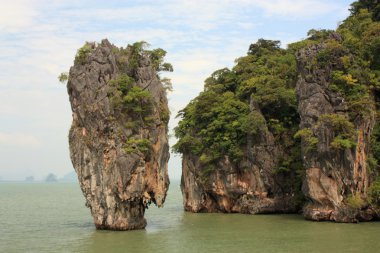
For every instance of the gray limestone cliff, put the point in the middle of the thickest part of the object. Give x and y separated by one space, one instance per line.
119 134
253 189
252 186
236 137
334 175
290 130
320 160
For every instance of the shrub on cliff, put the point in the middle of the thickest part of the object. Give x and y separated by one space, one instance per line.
355 201
370 5
374 193
82 53
63 77
131 99
308 137
343 130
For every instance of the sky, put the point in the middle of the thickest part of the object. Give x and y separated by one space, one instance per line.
39 39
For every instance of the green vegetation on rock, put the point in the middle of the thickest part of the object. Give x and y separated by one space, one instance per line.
343 129
82 53
134 145
355 201
63 77
374 193
255 96
307 135
133 101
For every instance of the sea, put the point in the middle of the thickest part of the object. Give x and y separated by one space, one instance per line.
52 217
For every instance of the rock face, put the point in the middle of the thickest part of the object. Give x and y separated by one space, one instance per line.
119 153
231 189
332 175
323 156
251 187
237 145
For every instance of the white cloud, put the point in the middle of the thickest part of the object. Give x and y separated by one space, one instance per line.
295 8
133 14
247 25
19 140
16 15
40 37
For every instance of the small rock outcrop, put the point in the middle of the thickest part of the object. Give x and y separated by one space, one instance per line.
119 134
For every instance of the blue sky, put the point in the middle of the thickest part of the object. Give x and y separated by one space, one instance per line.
39 39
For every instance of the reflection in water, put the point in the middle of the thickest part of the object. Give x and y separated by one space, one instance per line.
52 218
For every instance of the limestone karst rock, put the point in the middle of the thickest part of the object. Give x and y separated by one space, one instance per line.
233 143
251 186
119 135
332 174
290 130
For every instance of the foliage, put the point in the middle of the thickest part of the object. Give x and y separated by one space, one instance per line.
218 122
361 36
351 55
267 76
123 83
82 53
344 130
370 5
137 145
258 95
63 77
130 57
157 58
331 53
374 192
262 46
372 164
375 142
308 137
338 122
355 201
296 46
164 112
319 35
253 123
290 163
131 99
133 54
342 143
221 80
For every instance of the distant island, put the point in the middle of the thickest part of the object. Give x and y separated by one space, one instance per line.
69 177
51 178
29 179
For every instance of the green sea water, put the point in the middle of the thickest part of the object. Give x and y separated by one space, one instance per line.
40 217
